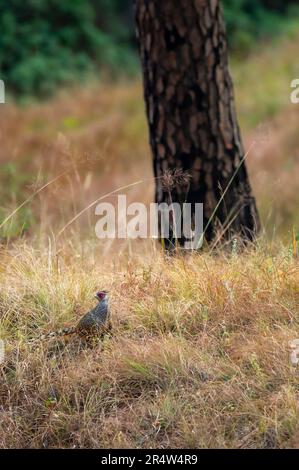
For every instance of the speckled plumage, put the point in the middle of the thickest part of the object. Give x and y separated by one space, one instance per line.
96 322
96 319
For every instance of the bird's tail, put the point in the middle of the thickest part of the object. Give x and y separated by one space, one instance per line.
56 334
62 332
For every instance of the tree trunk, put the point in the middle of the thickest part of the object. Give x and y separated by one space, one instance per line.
191 112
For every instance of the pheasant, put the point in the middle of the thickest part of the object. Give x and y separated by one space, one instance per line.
94 323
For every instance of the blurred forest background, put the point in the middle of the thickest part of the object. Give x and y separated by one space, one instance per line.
49 43
74 103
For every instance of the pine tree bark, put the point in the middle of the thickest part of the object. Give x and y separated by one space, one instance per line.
191 111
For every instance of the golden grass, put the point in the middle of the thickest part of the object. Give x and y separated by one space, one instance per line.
97 162
199 355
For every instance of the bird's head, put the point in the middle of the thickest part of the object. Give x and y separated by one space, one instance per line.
102 295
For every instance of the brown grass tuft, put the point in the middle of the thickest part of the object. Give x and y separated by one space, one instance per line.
199 354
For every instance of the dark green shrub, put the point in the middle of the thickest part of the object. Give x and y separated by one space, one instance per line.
49 43
251 20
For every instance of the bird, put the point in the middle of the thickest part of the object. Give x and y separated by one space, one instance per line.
94 323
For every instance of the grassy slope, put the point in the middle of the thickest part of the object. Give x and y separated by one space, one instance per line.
200 349
199 354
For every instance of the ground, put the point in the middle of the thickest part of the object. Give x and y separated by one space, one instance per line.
199 354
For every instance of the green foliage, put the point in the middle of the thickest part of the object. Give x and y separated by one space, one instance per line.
251 20
45 44
49 43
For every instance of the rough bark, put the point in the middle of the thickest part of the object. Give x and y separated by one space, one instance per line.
191 111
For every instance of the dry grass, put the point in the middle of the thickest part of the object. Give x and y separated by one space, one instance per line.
99 136
199 355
